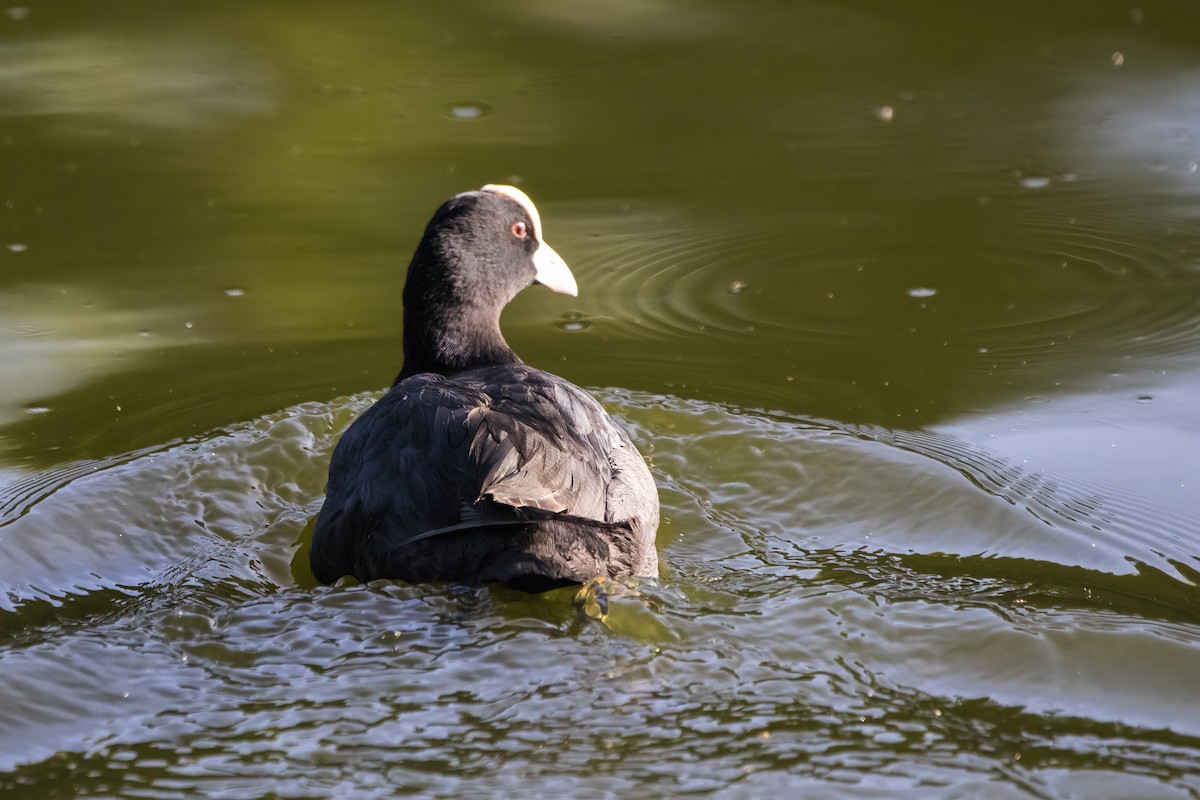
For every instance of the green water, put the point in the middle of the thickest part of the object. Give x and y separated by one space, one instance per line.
901 300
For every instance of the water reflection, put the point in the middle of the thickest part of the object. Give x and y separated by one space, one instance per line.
105 85
60 338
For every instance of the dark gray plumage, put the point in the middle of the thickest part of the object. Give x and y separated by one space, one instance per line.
475 467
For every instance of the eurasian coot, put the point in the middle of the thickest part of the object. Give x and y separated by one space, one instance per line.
475 467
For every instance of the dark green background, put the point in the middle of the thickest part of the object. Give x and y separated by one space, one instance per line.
901 299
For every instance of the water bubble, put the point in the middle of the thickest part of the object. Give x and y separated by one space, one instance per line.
885 113
37 410
17 247
18 13
922 291
1037 398
1118 59
233 291
1033 181
737 287
468 110
574 321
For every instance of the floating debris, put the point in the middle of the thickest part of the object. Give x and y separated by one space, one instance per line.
468 110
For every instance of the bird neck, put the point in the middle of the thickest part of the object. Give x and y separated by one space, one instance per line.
451 321
450 339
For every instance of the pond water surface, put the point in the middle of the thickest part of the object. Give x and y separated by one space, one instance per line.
902 303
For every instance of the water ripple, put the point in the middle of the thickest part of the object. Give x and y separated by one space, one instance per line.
1048 289
837 600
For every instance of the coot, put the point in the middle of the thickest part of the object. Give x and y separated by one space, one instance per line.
476 467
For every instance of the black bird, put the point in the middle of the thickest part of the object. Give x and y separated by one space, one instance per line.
476 467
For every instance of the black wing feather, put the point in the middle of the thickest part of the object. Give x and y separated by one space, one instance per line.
486 475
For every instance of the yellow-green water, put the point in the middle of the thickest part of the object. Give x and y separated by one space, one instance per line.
902 301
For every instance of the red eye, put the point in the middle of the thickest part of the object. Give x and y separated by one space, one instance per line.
519 230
